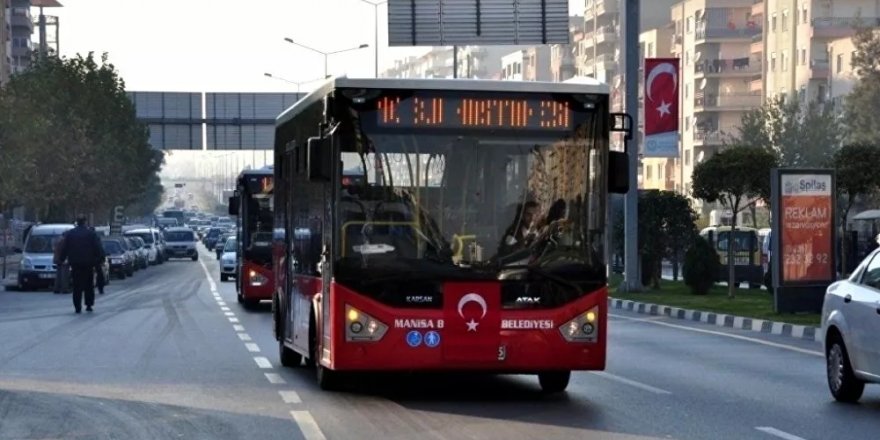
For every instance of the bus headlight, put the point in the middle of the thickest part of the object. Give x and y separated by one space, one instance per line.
583 328
256 279
362 327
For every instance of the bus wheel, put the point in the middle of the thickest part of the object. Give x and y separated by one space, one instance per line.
289 358
313 340
554 381
328 379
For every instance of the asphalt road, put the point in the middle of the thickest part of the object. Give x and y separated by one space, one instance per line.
163 357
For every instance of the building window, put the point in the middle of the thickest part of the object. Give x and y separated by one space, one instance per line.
687 90
687 123
785 61
659 172
687 58
804 14
687 157
773 22
839 63
650 49
687 22
773 61
785 20
803 56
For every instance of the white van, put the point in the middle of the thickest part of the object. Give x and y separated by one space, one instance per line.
152 240
180 242
37 268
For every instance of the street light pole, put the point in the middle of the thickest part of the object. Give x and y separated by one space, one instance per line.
325 54
375 6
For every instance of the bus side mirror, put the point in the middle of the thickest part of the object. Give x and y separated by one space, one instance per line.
233 205
618 172
319 159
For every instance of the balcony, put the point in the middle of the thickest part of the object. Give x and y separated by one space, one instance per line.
819 69
21 17
837 27
711 137
676 40
708 33
756 85
757 45
758 8
737 67
598 8
727 102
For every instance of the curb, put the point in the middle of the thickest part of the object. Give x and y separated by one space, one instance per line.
803 332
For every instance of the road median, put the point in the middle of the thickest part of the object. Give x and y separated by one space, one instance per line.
749 310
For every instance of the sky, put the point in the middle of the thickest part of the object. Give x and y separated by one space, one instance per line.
227 45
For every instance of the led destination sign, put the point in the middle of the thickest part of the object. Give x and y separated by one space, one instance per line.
446 111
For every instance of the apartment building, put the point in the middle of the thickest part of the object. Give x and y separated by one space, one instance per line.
21 27
797 36
841 75
713 39
654 173
562 56
437 63
5 43
531 64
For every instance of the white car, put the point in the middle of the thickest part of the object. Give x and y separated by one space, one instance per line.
180 242
850 328
229 261
151 238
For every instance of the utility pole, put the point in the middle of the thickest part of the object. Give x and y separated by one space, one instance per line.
632 281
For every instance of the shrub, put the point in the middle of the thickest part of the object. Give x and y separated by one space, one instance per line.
701 266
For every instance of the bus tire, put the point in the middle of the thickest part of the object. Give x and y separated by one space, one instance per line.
554 381
328 379
289 358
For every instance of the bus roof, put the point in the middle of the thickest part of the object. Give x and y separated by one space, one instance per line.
264 171
586 86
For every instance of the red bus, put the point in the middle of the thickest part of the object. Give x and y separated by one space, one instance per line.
252 206
473 238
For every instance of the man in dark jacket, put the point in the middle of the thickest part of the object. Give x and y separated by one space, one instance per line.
82 250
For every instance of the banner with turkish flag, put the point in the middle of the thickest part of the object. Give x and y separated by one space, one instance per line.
661 107
472 322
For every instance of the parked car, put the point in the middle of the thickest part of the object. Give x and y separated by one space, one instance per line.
151 238
118 257
37 266
850 325
140 248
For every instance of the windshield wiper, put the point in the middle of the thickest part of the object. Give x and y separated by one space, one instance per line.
532 269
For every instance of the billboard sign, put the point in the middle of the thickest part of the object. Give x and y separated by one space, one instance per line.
803 237
477 22
806 227
661 85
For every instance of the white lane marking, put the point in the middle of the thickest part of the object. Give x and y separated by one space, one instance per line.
630 382
777 433
211 282
727 335
229 313
262 362
233 319
244 337
221 303
225 309
238 327
307 425
252 347
290 396
275 378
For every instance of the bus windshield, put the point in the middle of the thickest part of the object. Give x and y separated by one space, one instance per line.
480 206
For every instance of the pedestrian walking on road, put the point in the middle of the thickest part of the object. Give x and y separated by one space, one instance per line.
82 250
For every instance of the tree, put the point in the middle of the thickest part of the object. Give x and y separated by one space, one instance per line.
666 228
73 137
856 172
862 105
800 134
735 177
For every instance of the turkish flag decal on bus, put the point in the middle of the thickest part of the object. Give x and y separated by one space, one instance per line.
472 315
